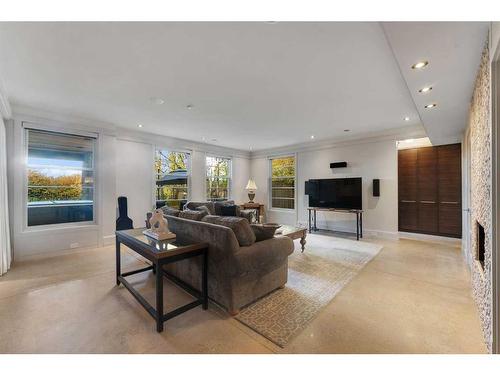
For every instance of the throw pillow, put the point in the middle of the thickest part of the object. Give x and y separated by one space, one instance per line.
263 232
228 210
192 215
203 209
170 211
240 227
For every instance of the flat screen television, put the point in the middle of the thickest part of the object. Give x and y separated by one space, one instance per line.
341 193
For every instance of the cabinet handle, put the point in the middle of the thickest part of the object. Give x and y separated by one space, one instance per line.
427 202
444 202
408 201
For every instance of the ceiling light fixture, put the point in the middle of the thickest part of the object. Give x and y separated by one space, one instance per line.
428 106
347 130
423 90
189 106
420 65
139 125
312 136
407 118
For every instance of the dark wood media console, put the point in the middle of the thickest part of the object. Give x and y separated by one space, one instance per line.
359 219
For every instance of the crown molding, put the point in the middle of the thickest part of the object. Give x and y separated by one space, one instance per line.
396 134
46 117
5 109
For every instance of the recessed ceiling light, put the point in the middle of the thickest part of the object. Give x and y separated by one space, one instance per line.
407 118
158 101
189 106
430 105
312 136
139 125
425 89
420 65
347 130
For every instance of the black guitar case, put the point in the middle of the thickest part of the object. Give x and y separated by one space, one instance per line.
123 222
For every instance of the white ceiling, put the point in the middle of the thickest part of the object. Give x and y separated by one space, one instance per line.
453 50
259 85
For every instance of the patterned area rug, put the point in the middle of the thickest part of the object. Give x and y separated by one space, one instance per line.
314 279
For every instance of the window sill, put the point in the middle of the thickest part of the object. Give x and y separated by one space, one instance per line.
63 228
284 210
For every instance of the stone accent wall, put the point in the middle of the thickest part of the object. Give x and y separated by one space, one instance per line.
481 205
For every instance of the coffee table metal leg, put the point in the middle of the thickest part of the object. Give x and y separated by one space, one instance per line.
159 298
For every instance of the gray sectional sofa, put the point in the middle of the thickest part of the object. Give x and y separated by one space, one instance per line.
240 269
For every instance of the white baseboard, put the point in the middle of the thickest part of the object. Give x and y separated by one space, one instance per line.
108 240
431 238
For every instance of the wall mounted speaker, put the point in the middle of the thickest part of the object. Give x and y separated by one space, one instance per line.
376 187
338 164
308 188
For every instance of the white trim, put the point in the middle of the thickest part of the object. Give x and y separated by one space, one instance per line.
416 131
5 109
108 240
25 127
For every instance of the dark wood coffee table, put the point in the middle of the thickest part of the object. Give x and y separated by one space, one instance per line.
294 233
160 253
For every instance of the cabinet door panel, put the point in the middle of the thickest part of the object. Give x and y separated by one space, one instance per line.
450 189
407 174
407 216
450 220
427 190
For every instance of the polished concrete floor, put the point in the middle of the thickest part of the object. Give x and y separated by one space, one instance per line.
413 297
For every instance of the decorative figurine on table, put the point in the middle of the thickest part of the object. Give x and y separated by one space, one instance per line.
159 227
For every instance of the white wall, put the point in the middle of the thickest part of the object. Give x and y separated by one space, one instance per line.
124 161
366 160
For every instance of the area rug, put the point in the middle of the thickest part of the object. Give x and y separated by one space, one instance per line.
314 279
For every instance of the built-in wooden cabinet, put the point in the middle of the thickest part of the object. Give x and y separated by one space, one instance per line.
429 190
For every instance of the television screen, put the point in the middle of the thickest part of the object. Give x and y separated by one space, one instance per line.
341 193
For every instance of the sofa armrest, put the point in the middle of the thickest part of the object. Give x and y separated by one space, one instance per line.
263 256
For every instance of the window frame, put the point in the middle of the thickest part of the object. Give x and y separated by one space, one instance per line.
189 169
270 183
26 127
230 176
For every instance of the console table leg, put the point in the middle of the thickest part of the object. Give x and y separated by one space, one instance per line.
357 226
315 226
159 298
118 261
361 223
204 281
309 222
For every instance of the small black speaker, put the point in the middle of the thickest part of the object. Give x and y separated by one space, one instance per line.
338 164
376 187
308 188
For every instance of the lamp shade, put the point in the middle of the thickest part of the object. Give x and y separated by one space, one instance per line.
251 185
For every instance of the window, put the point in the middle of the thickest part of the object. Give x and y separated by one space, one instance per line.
283 183
218 176
60 178
172 182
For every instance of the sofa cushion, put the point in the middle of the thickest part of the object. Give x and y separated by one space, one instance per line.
228 210
218 206
191 205
263 232
203 209
240 226
170 211
192 215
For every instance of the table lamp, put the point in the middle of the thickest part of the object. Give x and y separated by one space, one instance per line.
251 187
